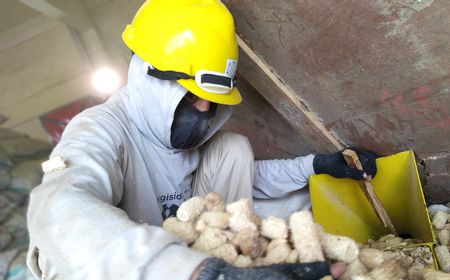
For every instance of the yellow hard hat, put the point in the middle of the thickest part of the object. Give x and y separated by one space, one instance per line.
191 41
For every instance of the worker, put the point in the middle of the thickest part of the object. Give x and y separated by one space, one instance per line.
124 166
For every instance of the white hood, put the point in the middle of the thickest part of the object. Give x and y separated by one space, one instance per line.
151 105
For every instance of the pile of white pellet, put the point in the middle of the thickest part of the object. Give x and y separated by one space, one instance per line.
236 235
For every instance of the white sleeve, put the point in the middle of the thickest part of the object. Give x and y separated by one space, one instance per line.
74 224
277 178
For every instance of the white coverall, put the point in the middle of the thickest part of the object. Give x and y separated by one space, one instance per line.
100 217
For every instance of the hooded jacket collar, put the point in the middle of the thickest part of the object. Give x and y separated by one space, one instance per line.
151 103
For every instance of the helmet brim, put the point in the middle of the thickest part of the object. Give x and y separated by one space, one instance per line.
231 98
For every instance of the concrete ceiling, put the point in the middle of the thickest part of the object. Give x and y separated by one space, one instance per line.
48 50
13 13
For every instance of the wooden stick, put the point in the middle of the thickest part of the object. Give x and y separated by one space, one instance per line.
284 100
351 157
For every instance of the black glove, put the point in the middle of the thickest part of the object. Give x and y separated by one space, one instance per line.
335 165
213 269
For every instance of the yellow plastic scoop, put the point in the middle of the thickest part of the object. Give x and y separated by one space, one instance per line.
351 157
341 208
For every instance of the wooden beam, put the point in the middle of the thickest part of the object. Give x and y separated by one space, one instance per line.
70 12
75 16
48 100
264 79
26 31
35 66
44 7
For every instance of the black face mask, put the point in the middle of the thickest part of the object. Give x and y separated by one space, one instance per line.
190 125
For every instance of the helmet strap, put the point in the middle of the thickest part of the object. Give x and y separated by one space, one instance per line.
167 75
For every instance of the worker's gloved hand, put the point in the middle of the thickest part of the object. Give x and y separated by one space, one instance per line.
335 165
212 269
